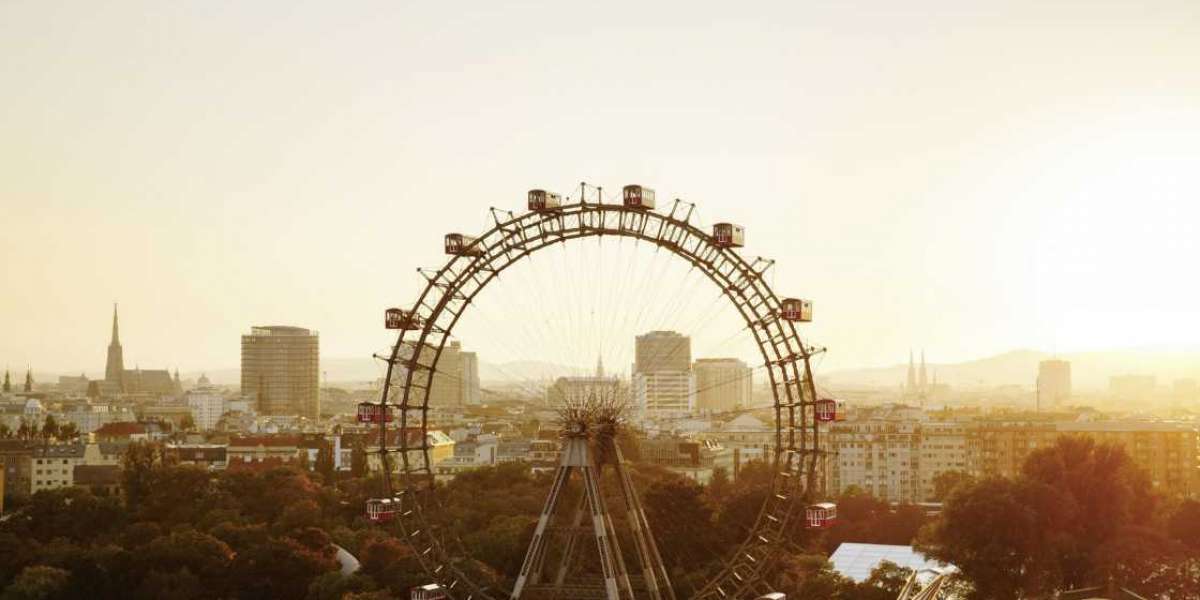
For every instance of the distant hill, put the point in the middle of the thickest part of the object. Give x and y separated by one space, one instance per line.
1089 370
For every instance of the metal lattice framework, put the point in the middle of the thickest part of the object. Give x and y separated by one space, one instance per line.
405 453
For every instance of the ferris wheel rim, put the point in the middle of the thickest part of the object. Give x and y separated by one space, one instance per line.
517 239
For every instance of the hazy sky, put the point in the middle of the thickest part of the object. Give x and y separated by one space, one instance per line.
963 177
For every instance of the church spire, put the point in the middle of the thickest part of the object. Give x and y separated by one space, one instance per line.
114 368
7 381
116 330
599 365
29 380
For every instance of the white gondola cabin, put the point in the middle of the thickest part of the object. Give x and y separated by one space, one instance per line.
543 201
458 244
398 318
820 516
795 309
773 596
430 591
381 510
728 235
639 197
826 410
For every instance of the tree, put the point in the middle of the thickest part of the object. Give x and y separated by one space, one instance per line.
278 568
324 465
73 514
992 533
391 564
1106 493
945 482
175 495
187 423
37 583
719 485
1185 524
1135 558
68 431
137 471
889 577
681 520
335 586
50 428
1073 518
358 459
177 562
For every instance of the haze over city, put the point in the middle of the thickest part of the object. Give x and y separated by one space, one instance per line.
941 176
620 301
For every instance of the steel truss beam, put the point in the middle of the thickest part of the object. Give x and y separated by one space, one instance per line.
450 290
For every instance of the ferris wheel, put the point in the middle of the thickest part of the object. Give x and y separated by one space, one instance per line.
402 414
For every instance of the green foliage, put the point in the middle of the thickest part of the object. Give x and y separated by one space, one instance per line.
335 586
946 482
1080 514
137 469
37 583
1185 524
358 459
50 428
325 464
392 565
69 513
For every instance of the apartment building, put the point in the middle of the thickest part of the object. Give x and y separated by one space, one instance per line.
899 459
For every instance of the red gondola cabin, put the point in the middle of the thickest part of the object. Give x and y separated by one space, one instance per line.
826 410
396 318
820 516
370 412
729 235
382 510
639 197
543 201
795 309
458 244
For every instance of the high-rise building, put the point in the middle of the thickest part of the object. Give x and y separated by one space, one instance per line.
662 374
446 390
1054 383
722 384
469 362
662 351
664 393
280 367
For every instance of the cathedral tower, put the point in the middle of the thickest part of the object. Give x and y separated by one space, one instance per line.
114 368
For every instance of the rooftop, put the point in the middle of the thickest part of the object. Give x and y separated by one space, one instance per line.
279 330
856 561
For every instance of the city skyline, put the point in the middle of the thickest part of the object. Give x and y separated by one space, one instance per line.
931 190
635 301
1100 367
